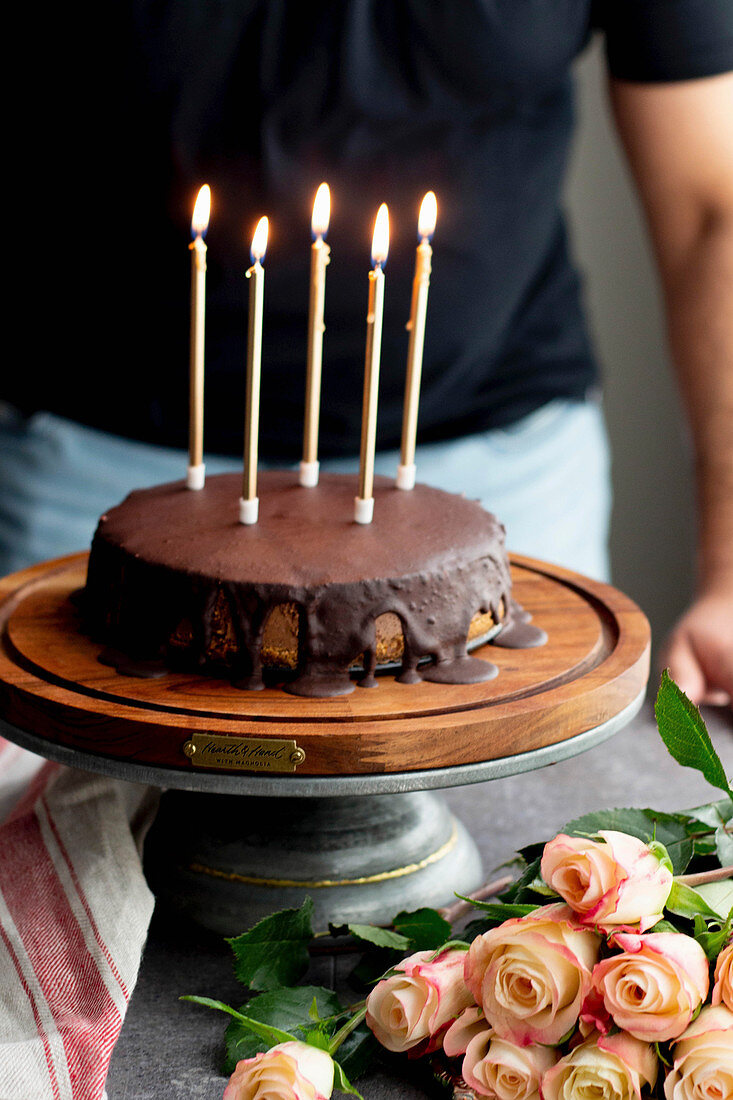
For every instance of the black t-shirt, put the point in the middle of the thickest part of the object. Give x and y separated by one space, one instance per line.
383 99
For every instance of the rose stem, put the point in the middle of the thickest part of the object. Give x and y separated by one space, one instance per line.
452 912
716 875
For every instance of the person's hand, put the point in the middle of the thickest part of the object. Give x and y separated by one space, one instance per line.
699 650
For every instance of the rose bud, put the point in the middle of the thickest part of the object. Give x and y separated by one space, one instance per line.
703 1058
723 988
288 1071
611 1067
532 974
616 881
655 986
500 1069
426 994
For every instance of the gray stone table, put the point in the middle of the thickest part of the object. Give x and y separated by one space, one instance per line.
174 1050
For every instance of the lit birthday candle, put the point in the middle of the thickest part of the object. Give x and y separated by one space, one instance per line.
364 502
416 327
248 502
199 225
320 253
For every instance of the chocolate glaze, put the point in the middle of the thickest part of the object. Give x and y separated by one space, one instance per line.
131 666
517 631
169 555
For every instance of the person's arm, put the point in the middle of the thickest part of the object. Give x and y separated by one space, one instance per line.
679 141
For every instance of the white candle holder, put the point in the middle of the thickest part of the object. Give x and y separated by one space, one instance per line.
406 476
196 476
249 510
363 509
308 475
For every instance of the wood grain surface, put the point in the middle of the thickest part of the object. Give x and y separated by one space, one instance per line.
595 663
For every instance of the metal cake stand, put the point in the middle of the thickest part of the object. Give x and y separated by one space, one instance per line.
352 821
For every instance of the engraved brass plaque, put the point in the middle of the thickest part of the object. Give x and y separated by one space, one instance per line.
251 754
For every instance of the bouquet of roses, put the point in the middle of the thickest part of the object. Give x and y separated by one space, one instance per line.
604 971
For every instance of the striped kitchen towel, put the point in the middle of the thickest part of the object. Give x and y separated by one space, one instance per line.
74 914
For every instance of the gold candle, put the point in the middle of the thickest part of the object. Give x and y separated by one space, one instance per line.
249 503
320 253
199 224
416 328
364 502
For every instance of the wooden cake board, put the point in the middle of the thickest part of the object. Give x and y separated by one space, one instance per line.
327 810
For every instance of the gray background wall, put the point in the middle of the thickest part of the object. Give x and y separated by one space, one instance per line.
652 536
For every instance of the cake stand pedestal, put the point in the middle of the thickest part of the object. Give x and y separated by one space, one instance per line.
269 797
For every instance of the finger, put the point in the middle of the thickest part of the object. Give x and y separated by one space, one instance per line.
716 662
716 699
685 669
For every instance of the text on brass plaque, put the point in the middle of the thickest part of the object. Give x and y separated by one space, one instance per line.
252 754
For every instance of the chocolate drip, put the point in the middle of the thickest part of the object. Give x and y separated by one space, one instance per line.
130 666
517 631
172 573
460 670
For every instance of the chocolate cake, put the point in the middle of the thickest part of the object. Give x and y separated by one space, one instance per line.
305 597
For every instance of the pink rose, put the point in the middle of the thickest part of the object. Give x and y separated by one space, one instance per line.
531 975
617 881
288 1071
500 1069
419 1001
612 1066
703 1058
723 988
464 1028
655 986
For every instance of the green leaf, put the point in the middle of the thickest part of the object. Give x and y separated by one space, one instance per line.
713 814
529 853
500 911
317 1038
520 890
666 926
724 846
686 902
240 1043
425 928
380 937
705 847
275 951
287 1008
713 942
450 945
539 886
341 1082
683 731
271 1035
209 1002
477 928
718 895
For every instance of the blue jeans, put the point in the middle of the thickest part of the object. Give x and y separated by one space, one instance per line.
546 477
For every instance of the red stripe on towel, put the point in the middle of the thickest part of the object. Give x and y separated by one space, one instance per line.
85 1015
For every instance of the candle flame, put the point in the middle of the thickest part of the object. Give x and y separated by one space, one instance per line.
380 240
321 211
201 211
259 240
428 216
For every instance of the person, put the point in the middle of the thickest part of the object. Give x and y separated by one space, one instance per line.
264 99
